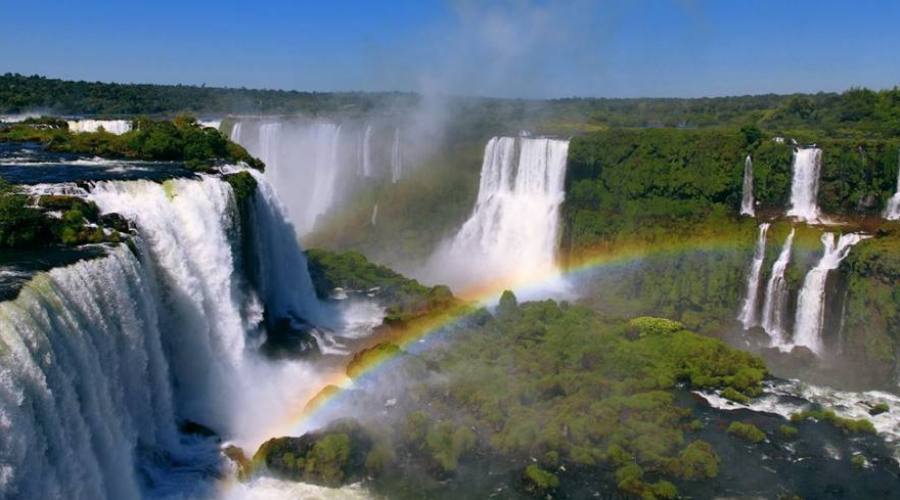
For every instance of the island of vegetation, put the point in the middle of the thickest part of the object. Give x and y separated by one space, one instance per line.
181 139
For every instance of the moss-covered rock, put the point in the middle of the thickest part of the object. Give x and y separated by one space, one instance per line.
747 432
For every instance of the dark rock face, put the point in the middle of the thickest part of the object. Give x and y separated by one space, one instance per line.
333 456
288 338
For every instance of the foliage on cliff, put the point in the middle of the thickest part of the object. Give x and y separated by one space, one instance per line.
49 220
635 182
404 298
181 139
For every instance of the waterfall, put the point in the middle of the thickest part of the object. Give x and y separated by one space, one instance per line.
235 135
892 212
303 163
285 283
805 184
512 233
775 303
117 127
811 302
748 316
83 381
367 152
184 226
747 207
374 214
396 158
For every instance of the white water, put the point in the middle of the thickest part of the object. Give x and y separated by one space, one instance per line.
396 158
775 303
512 233
83 381
892 211
780 398
99 360
811 302
748 315
805 184
747 206
117 127
304 163
216 124
365 153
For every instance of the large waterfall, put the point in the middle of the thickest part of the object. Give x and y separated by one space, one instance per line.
101 359
892 211
805 184
83 381
811 302
512 233
316 165
775 302
748 315
747 207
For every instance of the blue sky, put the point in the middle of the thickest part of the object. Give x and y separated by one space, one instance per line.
512 48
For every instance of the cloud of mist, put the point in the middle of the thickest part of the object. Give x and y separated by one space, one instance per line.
520 48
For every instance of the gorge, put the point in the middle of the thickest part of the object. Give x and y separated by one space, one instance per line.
216 358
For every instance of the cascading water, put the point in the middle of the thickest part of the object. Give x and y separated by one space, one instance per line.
117 127
512 233
892 211
747 207
811 302
775 303
396 158
83 382
748 315
805 184
304 164
365 154
185 225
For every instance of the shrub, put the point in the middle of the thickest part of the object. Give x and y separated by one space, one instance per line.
540 480
747 432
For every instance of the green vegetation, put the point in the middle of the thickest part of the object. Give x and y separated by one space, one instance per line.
20 224
26 223
879 408
854 112
853 426
330 457
747 432
787 431
243 185
543 378
181 139
539 481
404 298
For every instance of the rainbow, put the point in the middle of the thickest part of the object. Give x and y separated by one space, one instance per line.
605 257
599 258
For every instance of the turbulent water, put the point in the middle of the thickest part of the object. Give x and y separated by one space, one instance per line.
747 206
805 184
103 358
892 211
317 165
85 381
748 315
775 303
811 302
512 234
117 127
396 158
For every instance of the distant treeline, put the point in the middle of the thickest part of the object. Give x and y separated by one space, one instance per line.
19 94
856 112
